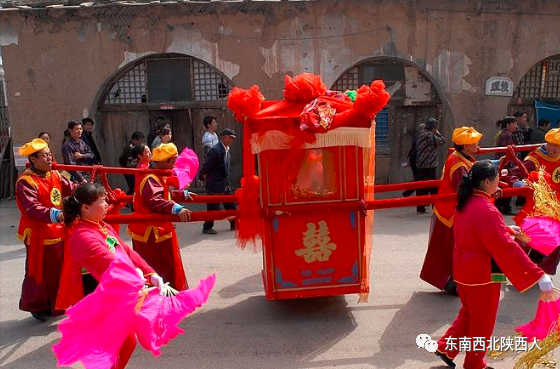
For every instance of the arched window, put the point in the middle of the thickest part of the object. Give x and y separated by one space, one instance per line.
542 81
414 99
169 80
538 92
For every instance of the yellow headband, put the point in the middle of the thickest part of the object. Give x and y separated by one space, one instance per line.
32 147
465 136
164 152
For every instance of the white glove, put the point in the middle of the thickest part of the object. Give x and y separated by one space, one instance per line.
515 229
545 283
157 281
188 194
140 273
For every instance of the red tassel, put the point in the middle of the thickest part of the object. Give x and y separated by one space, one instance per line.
250 220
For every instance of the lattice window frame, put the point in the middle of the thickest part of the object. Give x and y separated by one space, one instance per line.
552 84
350 80
131 88
542 81
382 130
207 84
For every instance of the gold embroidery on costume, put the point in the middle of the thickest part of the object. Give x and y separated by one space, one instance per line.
56 196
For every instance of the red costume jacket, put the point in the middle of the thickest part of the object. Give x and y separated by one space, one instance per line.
455 167
481 237
537 159
36 196
152 195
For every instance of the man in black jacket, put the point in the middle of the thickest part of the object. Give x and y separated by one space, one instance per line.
87 136
216 174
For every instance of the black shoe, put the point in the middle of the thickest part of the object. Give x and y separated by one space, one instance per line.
445 359
451 288
42 317
232 226
421 209
209 231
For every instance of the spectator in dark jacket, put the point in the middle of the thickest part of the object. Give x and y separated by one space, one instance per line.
127 160
76 152
412 158
427 152
215 172
537 135
521 135
506 138
87 136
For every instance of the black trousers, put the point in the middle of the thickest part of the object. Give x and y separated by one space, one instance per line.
215 207
130 182
407 193
425 174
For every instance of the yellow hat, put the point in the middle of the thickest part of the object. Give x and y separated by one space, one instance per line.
553 136
164 152
32 147
465 136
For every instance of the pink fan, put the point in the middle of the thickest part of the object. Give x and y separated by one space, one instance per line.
546 316
186 167
156 323
98 325
542 234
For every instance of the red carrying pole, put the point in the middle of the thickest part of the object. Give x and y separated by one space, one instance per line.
492 150
197 216
425 200
406 186
200 199
80 168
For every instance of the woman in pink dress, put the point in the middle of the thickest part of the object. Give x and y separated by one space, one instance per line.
93 244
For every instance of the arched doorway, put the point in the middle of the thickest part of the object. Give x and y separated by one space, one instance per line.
176 88
540 84
414 99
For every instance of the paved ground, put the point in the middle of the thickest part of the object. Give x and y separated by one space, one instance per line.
240 329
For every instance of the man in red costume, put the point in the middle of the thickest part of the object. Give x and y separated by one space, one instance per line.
156 241
438 263
546 157
39 192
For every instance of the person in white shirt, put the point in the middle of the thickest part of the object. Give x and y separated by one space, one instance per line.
210 138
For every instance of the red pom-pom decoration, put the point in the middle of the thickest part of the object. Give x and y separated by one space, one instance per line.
245 103
371 99
303 88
